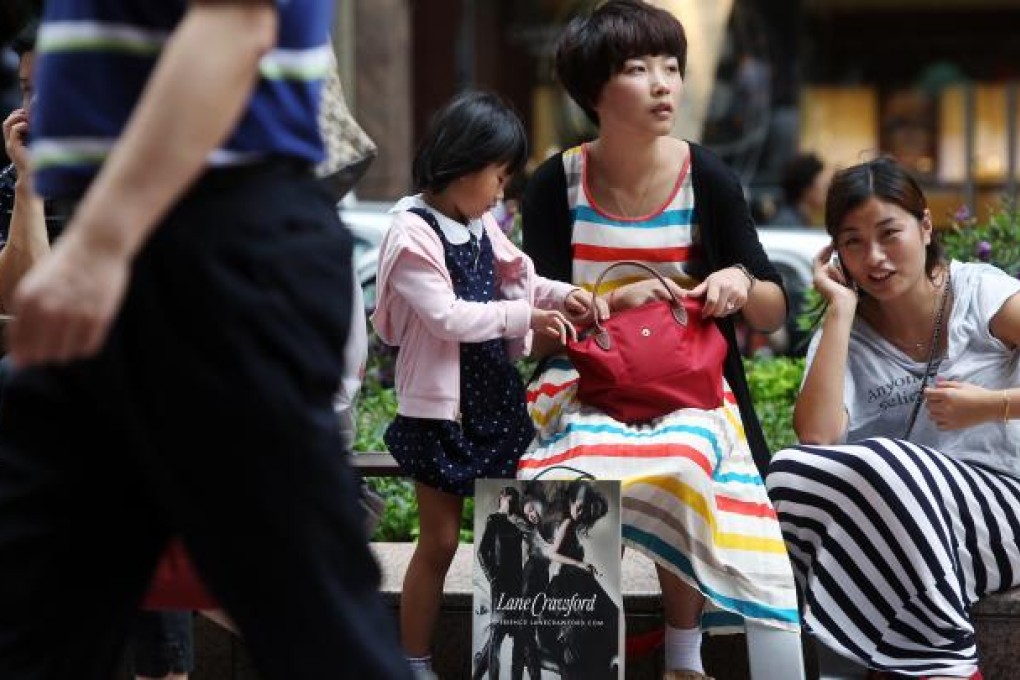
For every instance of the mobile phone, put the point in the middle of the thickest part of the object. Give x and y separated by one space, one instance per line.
838 264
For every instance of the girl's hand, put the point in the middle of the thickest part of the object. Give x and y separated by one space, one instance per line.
830 282
640 292
955 405
552 323
579 308
725 292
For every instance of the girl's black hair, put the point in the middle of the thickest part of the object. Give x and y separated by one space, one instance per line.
888 181
594 48
474 130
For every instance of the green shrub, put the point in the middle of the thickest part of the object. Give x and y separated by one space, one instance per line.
376 407
996 241
774 384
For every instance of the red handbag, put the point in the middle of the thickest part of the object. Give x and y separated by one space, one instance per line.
176 584
651 360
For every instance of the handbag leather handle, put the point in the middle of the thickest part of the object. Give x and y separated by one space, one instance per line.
679 311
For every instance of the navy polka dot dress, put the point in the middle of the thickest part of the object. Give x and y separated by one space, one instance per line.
494 428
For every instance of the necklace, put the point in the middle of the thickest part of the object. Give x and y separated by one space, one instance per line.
922 348
909 346
638 208
633 213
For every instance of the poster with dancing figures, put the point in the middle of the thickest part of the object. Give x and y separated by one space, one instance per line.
547 580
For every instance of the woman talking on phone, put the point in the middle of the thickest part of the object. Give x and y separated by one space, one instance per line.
902 506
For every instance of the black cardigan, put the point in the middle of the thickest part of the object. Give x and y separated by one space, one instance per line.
727 237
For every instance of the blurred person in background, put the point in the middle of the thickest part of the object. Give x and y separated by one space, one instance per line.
23 225
805 181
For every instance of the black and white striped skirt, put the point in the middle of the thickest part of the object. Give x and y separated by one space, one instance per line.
891 544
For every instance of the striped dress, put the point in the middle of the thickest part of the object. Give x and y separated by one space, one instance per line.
693 500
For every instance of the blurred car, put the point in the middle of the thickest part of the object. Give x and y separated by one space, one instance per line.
367 222
791 250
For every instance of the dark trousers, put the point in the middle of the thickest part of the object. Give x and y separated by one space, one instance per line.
207 414
162 642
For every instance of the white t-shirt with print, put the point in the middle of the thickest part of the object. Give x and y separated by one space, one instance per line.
882 382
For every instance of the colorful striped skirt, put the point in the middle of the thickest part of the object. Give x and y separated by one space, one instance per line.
693 500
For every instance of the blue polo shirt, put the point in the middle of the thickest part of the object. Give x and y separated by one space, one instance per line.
95 56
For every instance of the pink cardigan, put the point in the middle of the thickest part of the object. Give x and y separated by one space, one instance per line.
418 311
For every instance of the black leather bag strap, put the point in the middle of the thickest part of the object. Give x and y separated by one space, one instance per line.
933 360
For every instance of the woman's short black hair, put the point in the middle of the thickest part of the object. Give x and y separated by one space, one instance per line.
594 48
473 131
886 180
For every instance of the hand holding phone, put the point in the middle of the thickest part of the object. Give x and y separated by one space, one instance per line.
831 279
844 277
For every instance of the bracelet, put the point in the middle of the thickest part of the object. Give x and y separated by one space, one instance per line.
1005 406
751 280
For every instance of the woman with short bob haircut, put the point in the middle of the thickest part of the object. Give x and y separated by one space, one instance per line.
693 498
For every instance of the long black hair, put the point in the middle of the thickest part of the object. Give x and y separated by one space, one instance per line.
515 499
474 130
593 508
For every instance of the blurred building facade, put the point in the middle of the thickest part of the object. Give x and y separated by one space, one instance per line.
931 82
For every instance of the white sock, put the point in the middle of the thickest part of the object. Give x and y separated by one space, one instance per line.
683 649
420 663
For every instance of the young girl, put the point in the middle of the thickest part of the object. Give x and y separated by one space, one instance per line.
461 301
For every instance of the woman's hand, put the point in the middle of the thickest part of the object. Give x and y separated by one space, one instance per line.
580 310
552 323
15 129
955 405
725 292
640 292
830 281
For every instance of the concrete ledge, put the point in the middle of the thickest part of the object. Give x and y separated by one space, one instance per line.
452 651
725 656
639 583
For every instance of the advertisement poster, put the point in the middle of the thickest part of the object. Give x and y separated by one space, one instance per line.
547 580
